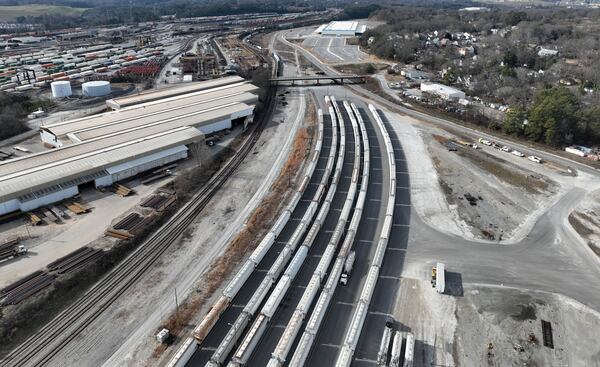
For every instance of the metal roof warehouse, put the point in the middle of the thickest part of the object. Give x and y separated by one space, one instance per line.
118 103
116 145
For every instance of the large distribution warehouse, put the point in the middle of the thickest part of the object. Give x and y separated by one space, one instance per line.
112 146
339 28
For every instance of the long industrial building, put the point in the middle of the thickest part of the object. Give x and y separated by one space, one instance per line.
341 28
102 149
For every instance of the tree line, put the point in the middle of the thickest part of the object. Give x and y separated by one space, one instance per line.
14 109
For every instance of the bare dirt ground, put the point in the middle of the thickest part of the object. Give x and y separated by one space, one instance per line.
141 310
491 195
502 327
492 326
586 221
474 194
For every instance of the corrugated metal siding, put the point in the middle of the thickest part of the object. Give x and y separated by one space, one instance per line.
217 126
48 199
136 166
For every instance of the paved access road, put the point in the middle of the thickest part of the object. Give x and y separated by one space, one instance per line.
334 49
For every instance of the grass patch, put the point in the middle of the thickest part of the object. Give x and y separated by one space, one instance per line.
11 13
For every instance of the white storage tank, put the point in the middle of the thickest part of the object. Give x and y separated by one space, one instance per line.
61 89
96 88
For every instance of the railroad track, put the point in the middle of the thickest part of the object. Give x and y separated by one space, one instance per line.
44 344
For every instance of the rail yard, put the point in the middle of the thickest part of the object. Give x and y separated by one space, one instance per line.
227 197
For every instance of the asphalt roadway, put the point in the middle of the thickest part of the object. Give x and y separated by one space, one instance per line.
550 258
334 49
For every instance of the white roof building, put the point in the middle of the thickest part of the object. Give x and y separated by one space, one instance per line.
339 28
442 91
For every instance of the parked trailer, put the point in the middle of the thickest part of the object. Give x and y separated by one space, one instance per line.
440 282
396 350
384 347
409 350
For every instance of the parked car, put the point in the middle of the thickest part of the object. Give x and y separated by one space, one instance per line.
518 154
506 149
535 159
485 142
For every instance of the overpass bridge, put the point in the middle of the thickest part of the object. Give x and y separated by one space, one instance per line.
336 79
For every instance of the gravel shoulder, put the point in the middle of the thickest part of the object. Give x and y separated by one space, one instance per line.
585 220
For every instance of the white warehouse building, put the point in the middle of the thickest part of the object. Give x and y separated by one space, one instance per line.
102 149
339 28
443 91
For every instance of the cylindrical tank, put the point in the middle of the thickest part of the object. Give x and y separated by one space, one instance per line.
96 88
61 89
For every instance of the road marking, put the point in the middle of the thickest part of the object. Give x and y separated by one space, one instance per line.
396 249
389 277
400 225
331 346
279 326
406 205
377 313
365 360
331 52
345 303
375 200
237 306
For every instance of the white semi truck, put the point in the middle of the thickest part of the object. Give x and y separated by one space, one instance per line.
438 277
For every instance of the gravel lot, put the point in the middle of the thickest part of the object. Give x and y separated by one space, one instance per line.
492 196
457 331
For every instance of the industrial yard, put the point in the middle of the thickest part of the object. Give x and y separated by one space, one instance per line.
239 190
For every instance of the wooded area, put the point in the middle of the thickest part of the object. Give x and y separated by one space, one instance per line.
542 63
13 112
